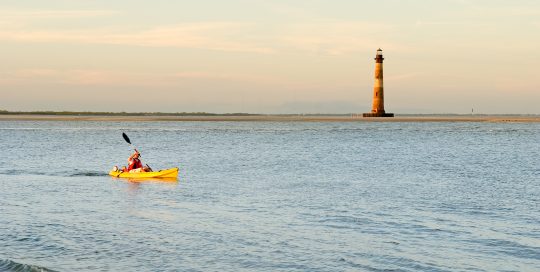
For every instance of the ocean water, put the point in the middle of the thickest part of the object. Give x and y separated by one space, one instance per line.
271 196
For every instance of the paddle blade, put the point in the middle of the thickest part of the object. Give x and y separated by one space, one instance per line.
126 138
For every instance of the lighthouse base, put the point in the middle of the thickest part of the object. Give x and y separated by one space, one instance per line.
377 114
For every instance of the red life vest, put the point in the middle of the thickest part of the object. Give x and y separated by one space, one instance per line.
134 164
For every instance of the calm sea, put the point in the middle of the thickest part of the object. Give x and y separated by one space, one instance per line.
271 196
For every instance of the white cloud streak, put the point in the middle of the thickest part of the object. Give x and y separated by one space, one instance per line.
117 78
211 35
322 37
28 16
337 37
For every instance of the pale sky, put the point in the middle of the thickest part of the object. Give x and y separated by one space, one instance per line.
269 56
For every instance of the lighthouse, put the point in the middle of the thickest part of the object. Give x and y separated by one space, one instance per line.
377 109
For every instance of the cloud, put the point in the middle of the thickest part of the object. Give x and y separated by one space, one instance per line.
53 14
71 77
436 23
119 78
337 37
322 37
224 76
26 26
404 77
206 35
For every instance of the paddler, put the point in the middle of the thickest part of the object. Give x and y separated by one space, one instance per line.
134 163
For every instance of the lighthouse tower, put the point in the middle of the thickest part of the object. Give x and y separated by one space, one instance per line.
377 110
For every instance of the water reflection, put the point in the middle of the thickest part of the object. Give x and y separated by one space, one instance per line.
153 180
148 180
134 185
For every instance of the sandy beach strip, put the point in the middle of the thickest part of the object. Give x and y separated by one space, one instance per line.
276 118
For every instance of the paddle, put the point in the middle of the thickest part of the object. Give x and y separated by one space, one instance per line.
124 135
128 141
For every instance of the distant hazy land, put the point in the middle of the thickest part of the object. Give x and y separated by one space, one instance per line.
203 116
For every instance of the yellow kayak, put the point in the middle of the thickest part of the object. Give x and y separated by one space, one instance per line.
166 174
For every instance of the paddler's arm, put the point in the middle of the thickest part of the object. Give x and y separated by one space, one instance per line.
136 152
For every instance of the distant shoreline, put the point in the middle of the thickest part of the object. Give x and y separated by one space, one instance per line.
270 118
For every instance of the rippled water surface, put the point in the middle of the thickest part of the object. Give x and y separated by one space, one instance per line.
265 196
